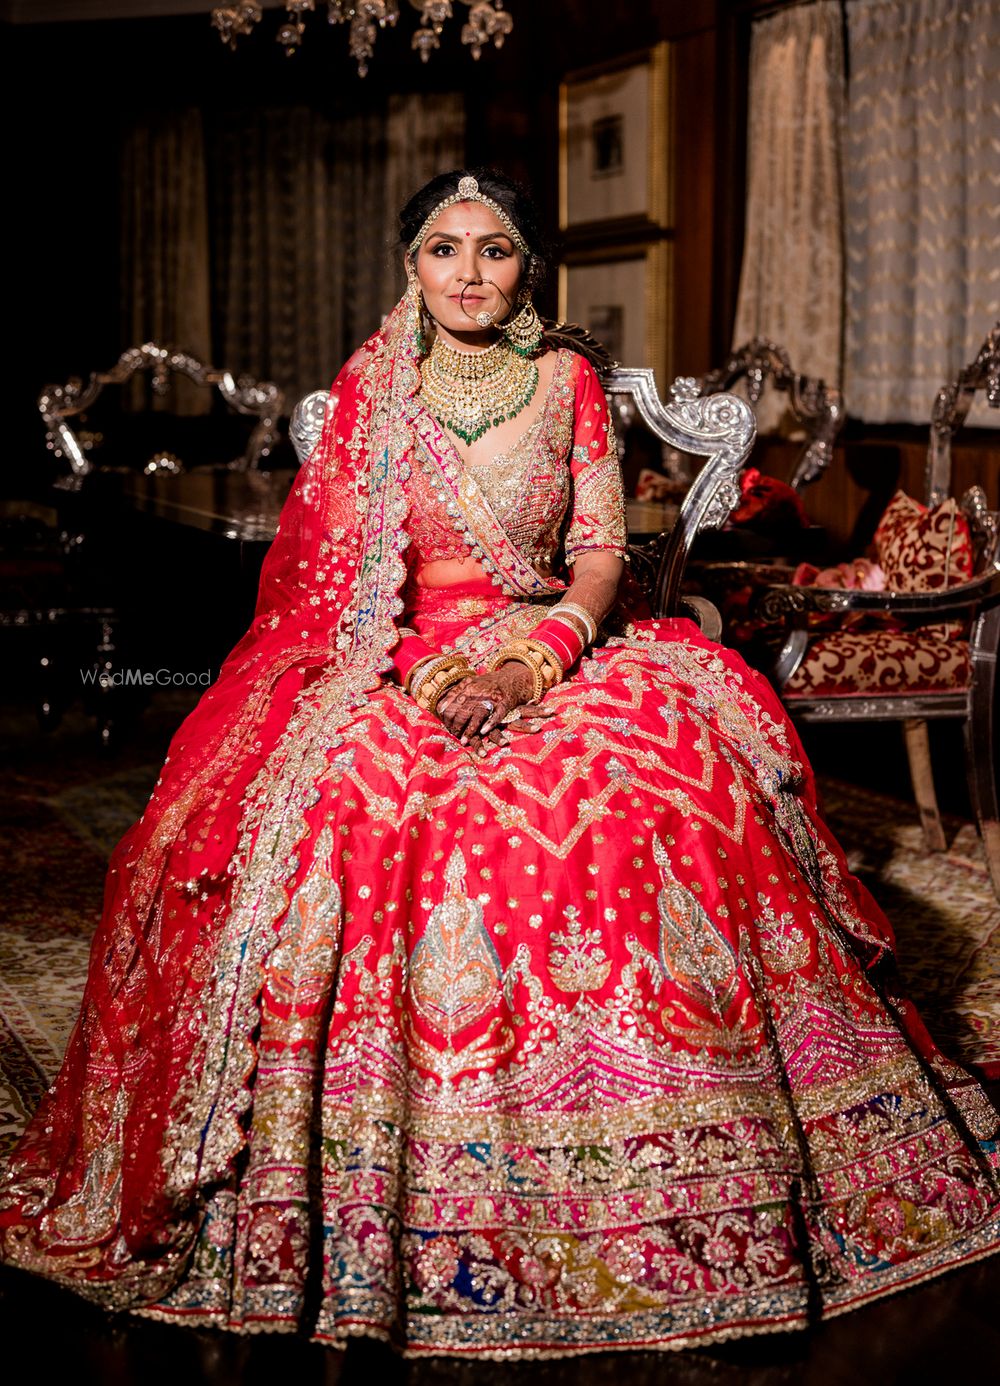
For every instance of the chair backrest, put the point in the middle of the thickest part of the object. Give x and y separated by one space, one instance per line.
818 407
58 404
719 427
951 409
306 424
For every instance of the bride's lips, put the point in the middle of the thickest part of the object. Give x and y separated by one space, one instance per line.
466 298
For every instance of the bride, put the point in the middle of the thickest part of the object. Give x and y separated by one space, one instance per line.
480 976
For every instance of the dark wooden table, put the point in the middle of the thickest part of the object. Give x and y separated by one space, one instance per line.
240 506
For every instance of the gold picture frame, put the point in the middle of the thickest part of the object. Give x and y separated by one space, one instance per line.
624 295
614 147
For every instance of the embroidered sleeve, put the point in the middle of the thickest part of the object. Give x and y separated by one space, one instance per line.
597 517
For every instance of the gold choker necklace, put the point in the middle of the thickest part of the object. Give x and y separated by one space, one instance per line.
472 391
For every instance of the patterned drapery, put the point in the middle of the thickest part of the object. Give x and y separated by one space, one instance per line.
923 191
165 254
791 286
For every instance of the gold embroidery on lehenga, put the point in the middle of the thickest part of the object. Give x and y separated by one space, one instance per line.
93 1213
300 968
577 961
694 954
454 969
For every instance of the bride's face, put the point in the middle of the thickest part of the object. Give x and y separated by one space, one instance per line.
466 265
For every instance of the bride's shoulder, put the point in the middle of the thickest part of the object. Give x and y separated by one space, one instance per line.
548 363
570 366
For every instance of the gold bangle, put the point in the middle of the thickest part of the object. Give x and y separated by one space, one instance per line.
537 681
431 678
538 654
427 671
408 681
456 675
550 660
439 681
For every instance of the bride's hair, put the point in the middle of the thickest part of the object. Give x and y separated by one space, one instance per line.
512 197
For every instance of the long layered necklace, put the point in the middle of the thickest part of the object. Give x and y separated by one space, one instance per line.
472 391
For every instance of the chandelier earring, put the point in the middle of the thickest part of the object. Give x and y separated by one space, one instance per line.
523 329
417 303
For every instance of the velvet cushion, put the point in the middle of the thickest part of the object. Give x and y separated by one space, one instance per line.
921 550
849 663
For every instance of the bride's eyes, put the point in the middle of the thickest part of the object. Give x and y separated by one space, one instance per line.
444 249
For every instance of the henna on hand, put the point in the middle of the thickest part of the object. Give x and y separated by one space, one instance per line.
462 707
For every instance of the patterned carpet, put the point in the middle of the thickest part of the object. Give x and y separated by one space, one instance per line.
61 816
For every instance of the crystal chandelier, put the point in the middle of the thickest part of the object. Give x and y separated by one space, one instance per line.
487 20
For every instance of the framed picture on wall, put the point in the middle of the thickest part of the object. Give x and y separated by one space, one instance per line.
622 294
614 146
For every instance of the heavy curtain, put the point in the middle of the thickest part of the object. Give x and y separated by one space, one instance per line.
165 251
923 191
791 286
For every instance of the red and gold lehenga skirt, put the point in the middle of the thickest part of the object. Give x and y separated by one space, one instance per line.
593 1043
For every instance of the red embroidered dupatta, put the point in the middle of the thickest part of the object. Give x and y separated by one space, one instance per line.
103 1190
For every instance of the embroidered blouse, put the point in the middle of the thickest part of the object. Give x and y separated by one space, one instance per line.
556 493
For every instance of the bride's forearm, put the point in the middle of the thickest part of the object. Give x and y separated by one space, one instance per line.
595 583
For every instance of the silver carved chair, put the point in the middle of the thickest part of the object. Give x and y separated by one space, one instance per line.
818 408
968 695
733 580
75 619
720 429
60 404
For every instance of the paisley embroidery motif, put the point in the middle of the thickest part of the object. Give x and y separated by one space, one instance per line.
694 955
301 967
455 973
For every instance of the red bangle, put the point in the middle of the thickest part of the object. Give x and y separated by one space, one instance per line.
410 651
562 636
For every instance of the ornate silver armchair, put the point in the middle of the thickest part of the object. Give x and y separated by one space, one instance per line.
74 618
733 575
970 695
720 429
59 404
817 407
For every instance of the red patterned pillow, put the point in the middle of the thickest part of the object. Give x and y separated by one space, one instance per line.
921 550
883 663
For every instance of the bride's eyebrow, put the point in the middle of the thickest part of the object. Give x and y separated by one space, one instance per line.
489 236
